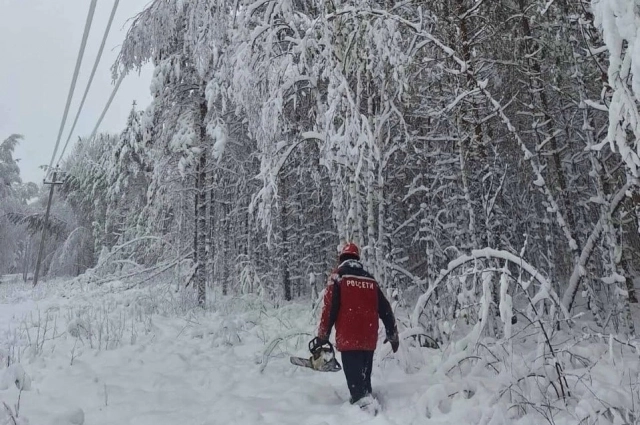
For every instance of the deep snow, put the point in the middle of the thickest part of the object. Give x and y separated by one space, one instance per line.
201 370
115 356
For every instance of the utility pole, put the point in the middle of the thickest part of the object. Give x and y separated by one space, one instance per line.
53 184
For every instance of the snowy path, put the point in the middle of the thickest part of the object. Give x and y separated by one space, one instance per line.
179 376
182 380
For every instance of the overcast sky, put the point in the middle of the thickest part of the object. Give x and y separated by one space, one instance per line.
39 43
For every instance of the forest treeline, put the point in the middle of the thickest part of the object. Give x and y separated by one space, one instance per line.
280 129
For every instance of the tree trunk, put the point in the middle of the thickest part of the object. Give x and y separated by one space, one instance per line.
284 224
532 47
631 290
201 227
471 145
225 249
195 216
211 224
25 263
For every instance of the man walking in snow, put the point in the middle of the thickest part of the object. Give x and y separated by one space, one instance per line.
353 302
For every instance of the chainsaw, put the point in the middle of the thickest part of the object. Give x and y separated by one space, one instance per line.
323 358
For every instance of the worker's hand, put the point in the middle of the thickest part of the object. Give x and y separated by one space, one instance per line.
393 340
317 342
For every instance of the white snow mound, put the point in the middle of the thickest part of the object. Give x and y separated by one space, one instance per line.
15 374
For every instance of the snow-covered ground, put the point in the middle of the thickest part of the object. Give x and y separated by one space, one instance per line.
160 369
106 355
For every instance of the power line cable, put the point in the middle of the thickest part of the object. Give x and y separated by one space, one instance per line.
93 73
106 107
87 27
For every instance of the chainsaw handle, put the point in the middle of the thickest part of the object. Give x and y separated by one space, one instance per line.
317 343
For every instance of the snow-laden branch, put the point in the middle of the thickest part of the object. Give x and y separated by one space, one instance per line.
537 170
488 253
619 22
579 269
597 106
447 109
117 248
472 9
546 7
308 135
414 279
151 32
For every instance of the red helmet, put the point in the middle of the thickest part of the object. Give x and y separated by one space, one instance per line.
350 248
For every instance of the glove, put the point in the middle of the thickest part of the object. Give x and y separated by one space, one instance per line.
316 343
393 340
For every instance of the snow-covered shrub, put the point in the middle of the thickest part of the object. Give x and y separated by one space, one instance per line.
15 375
120 263
285 331
78 328
11 416
485 294
249 281
34 332
74 255
15 380
118 320
98 327
503 330
221 330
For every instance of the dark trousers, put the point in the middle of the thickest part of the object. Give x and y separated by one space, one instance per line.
357 369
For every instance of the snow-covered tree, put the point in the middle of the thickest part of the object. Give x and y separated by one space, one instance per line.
16 249
9 170
280 129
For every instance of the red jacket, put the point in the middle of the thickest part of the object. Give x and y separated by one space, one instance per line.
353 302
